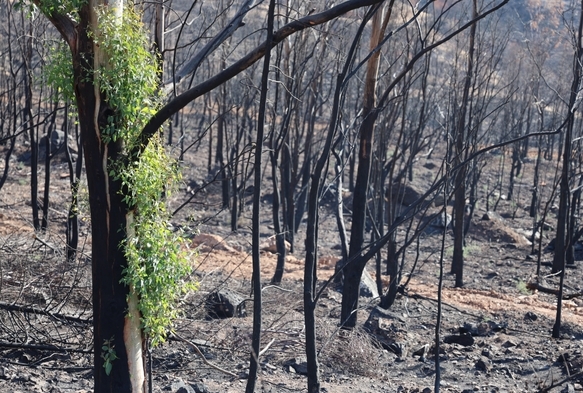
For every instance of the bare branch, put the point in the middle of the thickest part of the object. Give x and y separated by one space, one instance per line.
194 63
64 25
39 311
247 61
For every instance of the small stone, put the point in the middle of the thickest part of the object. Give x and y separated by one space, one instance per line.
568 389
199 387
4 373
180 387
23 377
530 316
508 344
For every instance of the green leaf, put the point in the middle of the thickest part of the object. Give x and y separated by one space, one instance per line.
108 366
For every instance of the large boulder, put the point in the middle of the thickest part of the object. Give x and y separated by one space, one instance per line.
403 194
57 144
441 220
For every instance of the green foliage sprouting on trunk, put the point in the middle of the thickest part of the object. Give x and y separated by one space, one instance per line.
156 261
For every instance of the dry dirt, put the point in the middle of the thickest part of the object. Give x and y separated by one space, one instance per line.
511 349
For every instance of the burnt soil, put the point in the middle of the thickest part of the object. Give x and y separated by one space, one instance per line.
495 332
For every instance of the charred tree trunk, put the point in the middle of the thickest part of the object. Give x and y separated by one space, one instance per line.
457 266
116 321
279 236
534 202
48 155
219 155
28 120
352 270
72 229
288 197
563 236
256 276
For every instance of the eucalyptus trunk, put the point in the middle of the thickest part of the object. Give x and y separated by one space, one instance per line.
115 316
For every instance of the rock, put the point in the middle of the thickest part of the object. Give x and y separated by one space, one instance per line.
57 144
464 340
483 364
368 287
441 220
404 194
530 316
225 303
387 328
508 344
482 329
299 366
421 352
200 387
181 387
439 200
24 377
568 389
490 215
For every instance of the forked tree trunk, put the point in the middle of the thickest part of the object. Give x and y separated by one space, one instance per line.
353 271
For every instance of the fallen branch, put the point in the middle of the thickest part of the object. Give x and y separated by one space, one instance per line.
535 286
40 311
42 347
559 383
266 347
